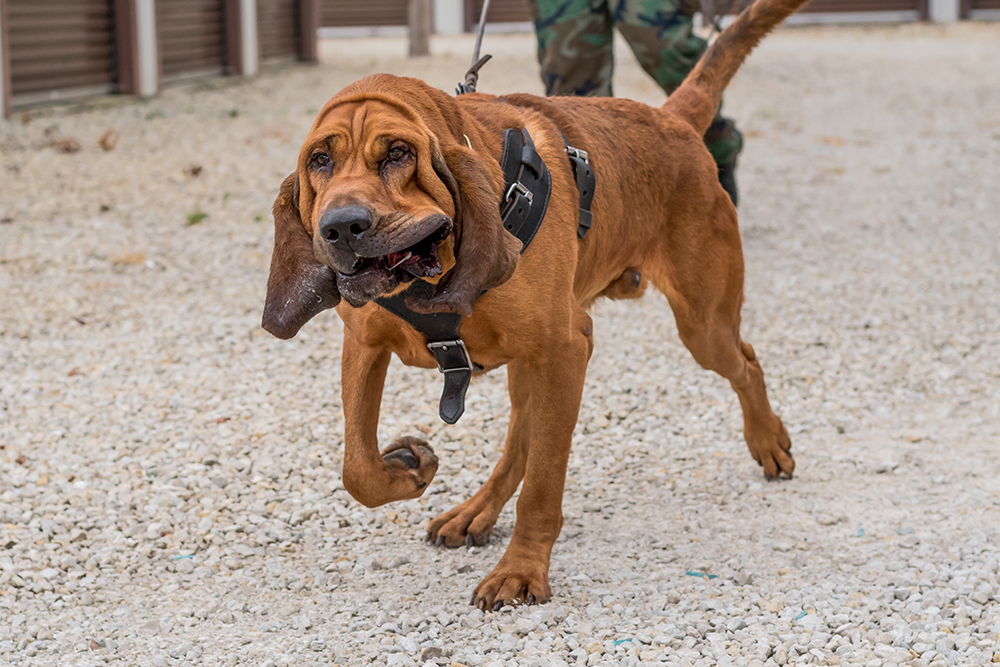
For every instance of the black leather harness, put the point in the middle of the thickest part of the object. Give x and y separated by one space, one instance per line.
527 187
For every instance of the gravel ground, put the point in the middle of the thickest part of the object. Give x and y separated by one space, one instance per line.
170 490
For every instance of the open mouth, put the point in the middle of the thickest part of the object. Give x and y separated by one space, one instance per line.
420 260
374 276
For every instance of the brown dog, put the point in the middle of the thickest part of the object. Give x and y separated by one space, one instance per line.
398 181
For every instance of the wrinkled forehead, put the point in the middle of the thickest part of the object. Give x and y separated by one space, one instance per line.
359 120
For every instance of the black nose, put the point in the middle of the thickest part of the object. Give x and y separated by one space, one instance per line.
340 225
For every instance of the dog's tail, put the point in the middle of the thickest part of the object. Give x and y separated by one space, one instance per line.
698 97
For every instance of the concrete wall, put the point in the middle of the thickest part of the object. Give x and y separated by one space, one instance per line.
449 17
944 11
148 53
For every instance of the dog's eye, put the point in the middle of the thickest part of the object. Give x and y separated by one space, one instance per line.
396 153
319 160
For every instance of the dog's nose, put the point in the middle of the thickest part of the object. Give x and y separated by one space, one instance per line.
341 225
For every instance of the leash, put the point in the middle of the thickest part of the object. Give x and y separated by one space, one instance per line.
472 76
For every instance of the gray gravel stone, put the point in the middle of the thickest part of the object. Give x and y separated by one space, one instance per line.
170 475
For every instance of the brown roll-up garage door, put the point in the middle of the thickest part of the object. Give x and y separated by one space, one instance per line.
57 45
350 13
841 6
516 11
836 6
277 22
191 36
971 9
500 11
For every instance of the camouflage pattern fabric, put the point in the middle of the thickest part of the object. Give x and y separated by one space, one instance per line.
574 51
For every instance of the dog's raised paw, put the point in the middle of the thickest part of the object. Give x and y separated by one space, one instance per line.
413 458
404 456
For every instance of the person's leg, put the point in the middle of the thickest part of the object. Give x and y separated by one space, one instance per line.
574 46
725 142
661 35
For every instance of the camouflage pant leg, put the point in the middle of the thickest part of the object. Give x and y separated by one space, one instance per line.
574 46
660 34
574 51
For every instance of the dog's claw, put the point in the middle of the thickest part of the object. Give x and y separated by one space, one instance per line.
498 606
468 540
440 541
531 599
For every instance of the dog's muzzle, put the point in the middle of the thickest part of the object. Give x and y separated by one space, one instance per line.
342 233
372 257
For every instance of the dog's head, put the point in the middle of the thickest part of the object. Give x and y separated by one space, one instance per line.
386 191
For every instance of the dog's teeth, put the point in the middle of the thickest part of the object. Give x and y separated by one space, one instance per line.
405 257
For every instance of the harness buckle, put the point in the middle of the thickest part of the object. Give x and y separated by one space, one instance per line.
451 356
517 187
577 153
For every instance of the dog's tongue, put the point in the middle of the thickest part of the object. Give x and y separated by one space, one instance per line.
415 265
394 259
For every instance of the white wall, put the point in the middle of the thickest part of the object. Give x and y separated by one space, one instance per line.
248 29
449 17
943 11
149 61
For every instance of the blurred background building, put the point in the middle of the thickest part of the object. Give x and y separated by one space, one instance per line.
56 50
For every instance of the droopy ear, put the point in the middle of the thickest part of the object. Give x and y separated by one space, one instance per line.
486 254
299 286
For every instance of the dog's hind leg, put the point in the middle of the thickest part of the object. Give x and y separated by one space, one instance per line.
472 522
703 281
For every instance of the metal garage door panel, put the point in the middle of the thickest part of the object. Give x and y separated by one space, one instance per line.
277 26
516 11
191 36
835 6
347 13
60 44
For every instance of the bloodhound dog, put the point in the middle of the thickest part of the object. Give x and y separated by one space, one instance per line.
398 182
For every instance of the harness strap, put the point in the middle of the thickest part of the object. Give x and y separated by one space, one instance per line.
586 185
444 342
527 188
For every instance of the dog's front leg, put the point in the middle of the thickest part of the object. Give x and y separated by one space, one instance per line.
401 471
472 522
556 378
